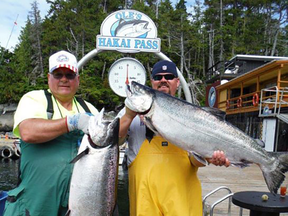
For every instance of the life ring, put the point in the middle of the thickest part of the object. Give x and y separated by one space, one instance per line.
255 99
239 102
7 152
227 104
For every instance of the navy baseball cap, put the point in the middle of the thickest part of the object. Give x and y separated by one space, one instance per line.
164 67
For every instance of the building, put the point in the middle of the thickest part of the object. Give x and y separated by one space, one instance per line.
253 91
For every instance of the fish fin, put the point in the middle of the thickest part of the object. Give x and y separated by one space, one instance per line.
80 155
260 142
275 177
239 164
100 116
200 158
68 212
149 124
153 129
215 112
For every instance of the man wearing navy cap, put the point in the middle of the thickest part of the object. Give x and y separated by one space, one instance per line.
165 77
162 177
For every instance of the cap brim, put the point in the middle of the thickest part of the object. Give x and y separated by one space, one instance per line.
75 70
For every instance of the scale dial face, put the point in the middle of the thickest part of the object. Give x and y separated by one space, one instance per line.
123 72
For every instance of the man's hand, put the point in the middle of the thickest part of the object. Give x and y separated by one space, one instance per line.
78 121
219 159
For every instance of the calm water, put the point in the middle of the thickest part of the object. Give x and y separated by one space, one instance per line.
9 173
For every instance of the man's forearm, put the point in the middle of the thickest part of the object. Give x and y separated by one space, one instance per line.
41 130
125 122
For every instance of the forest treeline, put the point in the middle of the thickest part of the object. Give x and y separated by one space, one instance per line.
212 31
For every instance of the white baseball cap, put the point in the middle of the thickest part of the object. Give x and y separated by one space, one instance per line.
63 59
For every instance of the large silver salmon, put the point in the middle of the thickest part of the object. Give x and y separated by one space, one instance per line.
93 188
200 132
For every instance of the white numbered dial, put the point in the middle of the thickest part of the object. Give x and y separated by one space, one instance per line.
123 72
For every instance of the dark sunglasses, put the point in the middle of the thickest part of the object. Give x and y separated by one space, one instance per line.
69 76
166 76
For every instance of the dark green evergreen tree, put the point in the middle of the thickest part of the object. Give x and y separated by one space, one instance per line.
217 29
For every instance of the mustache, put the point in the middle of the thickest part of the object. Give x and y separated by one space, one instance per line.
163 84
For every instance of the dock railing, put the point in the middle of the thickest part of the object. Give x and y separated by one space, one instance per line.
271 101
209 210
268 102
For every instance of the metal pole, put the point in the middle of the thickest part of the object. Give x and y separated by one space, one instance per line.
87 57
15 23
161 55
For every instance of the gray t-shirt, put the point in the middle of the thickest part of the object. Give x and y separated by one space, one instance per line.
135 137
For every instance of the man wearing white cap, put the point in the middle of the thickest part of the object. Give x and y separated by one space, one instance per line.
49 140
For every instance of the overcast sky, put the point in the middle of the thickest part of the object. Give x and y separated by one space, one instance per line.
17 11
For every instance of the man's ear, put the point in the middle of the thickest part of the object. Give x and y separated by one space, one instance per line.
48 77
178 82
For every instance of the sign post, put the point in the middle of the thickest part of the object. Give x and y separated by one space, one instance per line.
130 31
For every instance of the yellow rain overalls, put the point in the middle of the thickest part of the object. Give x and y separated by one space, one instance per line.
162 181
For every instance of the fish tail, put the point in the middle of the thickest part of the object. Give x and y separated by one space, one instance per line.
274 176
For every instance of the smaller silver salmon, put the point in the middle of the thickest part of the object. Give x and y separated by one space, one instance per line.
93 188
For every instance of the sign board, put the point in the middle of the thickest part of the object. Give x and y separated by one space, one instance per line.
211 95
128 31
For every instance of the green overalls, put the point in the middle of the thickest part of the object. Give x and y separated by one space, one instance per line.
46 174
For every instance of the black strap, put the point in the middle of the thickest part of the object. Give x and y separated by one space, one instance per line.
50 109
149 134
83 104
116 211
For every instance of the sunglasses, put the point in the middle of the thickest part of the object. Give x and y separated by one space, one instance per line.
69 76
166 76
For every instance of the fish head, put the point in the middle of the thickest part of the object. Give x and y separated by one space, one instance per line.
139 97
131 28
99 129
113 132
141 26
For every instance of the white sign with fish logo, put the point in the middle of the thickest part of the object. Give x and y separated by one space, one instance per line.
128 31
